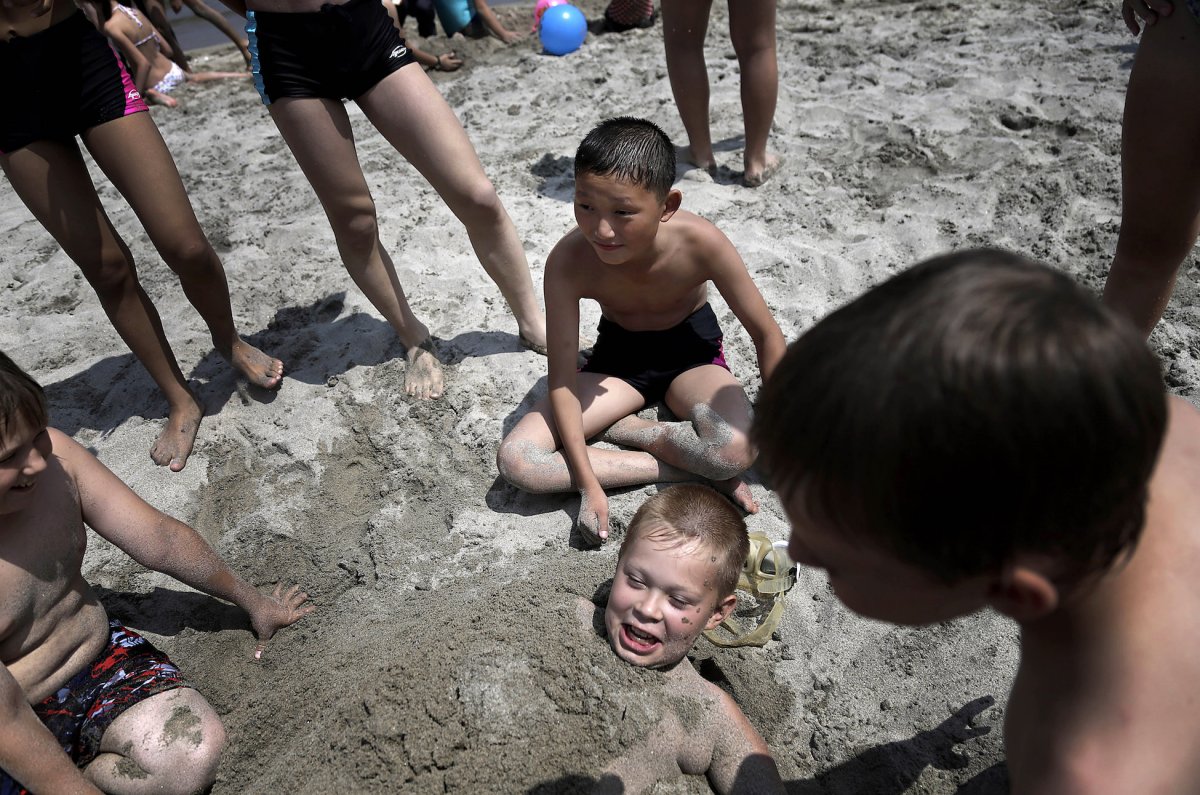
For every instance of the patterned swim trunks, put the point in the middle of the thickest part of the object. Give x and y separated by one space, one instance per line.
127 671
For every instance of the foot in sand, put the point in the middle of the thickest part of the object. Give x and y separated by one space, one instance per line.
537 347
174 444
737 490
756 174
423 379
258 368
686 154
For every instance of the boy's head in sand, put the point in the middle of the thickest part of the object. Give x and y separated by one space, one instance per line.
23 420
977 431
624 169
676 573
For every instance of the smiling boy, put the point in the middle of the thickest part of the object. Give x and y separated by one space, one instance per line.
980 432
676 572
85 704
648 264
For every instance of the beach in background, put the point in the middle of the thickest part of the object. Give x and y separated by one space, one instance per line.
444 656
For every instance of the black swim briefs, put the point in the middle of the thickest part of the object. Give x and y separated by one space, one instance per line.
650 360
60 82
339 52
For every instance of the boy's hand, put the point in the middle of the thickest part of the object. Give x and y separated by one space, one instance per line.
1148 10
593 515
273 613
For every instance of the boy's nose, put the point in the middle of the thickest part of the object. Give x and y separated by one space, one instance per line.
39 452
604 229
651 606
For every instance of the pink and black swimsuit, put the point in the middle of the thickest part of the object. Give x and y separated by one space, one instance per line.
60 82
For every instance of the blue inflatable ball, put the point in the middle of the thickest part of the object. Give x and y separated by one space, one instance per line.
563 29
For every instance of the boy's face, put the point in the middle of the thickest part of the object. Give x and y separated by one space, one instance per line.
662 598
619 219
24 450
874 583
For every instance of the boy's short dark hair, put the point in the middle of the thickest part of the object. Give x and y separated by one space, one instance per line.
689 512
629 149
20 397
976 406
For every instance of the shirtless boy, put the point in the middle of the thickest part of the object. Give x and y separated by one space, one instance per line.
979 432
676 572
648 264
72 679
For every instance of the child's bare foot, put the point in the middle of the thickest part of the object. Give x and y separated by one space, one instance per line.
423 379
704 161
259 368
758 173
159 98
174 444
737 490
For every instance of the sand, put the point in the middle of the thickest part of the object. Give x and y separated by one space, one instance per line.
442 657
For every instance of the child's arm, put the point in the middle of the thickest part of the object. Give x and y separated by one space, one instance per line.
741 761
492 23
729 274
167 545
29 752
132 55
562 336
236 6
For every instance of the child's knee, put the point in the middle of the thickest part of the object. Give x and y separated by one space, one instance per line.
185 758
517 462
730 459
110 272
187 253
481 203
356 226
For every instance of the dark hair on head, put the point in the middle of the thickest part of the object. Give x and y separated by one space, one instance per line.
20 397
629 149
689 512
974 407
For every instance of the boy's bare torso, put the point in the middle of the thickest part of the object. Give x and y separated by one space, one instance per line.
645 296
51 623
1107 698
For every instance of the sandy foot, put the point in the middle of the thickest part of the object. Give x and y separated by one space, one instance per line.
174 444
536 347
685 154
424 378
737 490
755 175
258 368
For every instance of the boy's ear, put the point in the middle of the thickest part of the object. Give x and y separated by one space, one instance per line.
674 199
724 608
1023 592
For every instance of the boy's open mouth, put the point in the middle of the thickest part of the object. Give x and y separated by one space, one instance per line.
637 640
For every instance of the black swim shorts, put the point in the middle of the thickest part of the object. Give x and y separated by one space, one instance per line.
339 52
650 360
59 82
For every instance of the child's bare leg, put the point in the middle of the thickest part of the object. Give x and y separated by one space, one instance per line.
1160 170
51 179
752 29
169 743
529 456
319 135
150 183
202 10
410 113
714 443
685 22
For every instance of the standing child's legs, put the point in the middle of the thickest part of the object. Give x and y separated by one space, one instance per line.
410 113
1160 169
169 743
752 29
713 443
685 22
319 135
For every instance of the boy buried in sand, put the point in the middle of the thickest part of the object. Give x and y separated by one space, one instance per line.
676 572
648 264
71 679
979 432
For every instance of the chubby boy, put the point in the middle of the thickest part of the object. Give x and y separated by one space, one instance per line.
676 572
648 264
979 432
72 679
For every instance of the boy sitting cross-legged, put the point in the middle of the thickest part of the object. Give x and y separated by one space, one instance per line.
71 678
648 264
980 432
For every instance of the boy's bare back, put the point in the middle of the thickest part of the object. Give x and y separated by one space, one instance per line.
1106 697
